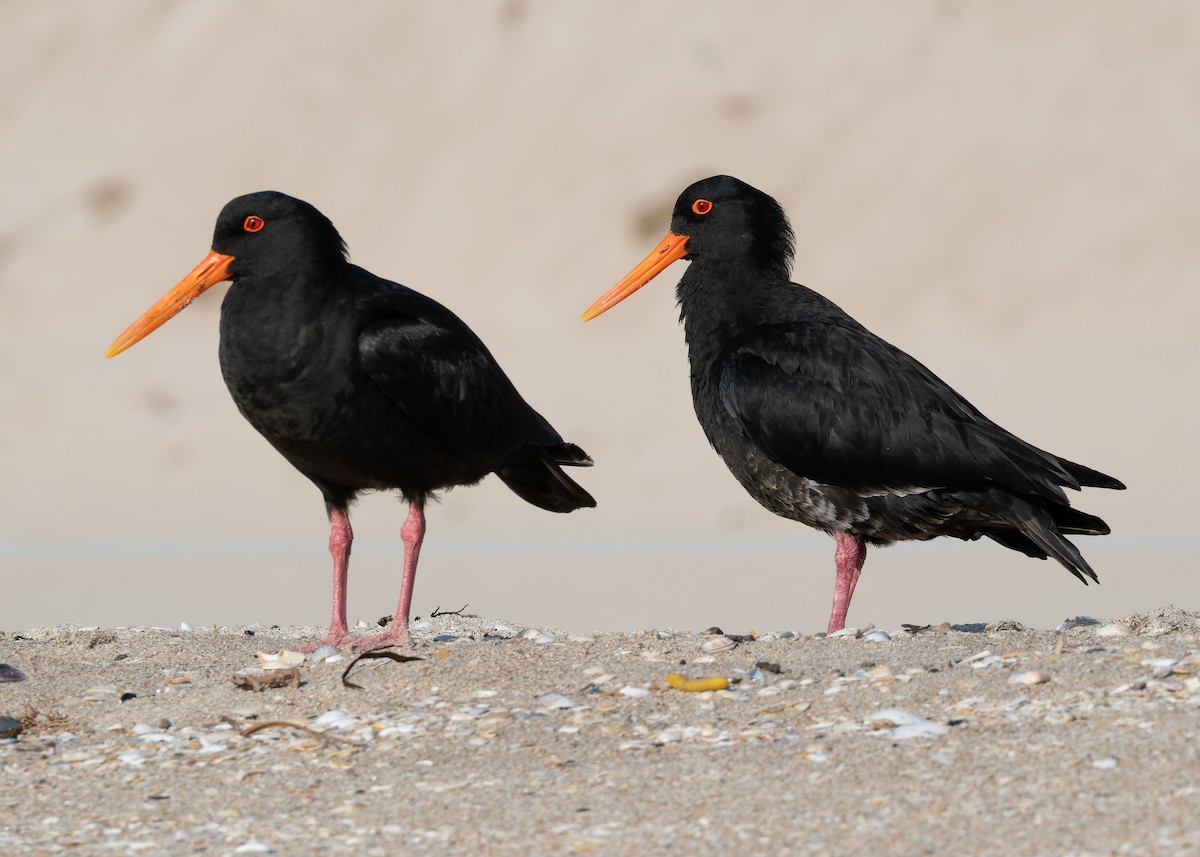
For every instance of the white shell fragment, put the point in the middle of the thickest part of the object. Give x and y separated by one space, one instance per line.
878 637
905 724
281 660
323 653
555 700
1030 677
1112 631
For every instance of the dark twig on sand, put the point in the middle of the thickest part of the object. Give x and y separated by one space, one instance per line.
398 658
247 731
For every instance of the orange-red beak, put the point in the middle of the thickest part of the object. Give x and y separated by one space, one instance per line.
211 271
668 250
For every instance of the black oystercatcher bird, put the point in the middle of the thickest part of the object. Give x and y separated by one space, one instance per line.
362 384
824 422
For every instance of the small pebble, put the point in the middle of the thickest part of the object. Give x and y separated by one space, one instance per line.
1106 764
9 727
10 673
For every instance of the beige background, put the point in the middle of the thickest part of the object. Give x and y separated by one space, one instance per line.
1008 191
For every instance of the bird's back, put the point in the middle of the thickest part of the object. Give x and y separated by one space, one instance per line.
365 384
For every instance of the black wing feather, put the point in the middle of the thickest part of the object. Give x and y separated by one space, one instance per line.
833 402
446 381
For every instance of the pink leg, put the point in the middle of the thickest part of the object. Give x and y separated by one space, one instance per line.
849 557
413 533
340 539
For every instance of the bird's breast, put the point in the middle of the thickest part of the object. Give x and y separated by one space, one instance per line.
291 380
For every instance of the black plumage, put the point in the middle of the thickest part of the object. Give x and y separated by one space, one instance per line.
822 421
362 383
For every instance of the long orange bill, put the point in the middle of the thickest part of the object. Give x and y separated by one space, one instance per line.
209 272
668 250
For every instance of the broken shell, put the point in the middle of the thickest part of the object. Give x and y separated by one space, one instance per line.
905 724
280 660
1031 677
713 645
555 700
1112 631
877 637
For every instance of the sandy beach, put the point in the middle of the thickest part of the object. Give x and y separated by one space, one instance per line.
1007 191
1003 191
503 739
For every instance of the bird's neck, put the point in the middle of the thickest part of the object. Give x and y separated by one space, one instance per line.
718 301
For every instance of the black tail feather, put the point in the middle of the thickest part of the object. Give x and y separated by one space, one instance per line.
1089 478
537 477
1038 533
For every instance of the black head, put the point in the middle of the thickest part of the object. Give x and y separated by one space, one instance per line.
260 234
726 219
717 221
268 232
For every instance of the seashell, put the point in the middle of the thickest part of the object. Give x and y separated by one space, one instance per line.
905 724
1112 631
846 632
281 660
322 653
713 645
1031 677
10 673
334 715
635 692
555 700
978 656
878 637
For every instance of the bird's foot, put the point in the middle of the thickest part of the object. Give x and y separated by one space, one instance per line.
335 637
397 635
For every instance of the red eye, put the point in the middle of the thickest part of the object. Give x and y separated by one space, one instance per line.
702 206
253 223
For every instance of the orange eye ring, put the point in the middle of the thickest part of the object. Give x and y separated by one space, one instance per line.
702 206
253 223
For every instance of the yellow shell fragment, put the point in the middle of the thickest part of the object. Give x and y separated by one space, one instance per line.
694 685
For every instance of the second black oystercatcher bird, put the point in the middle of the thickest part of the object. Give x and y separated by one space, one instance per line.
361 383
824 422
